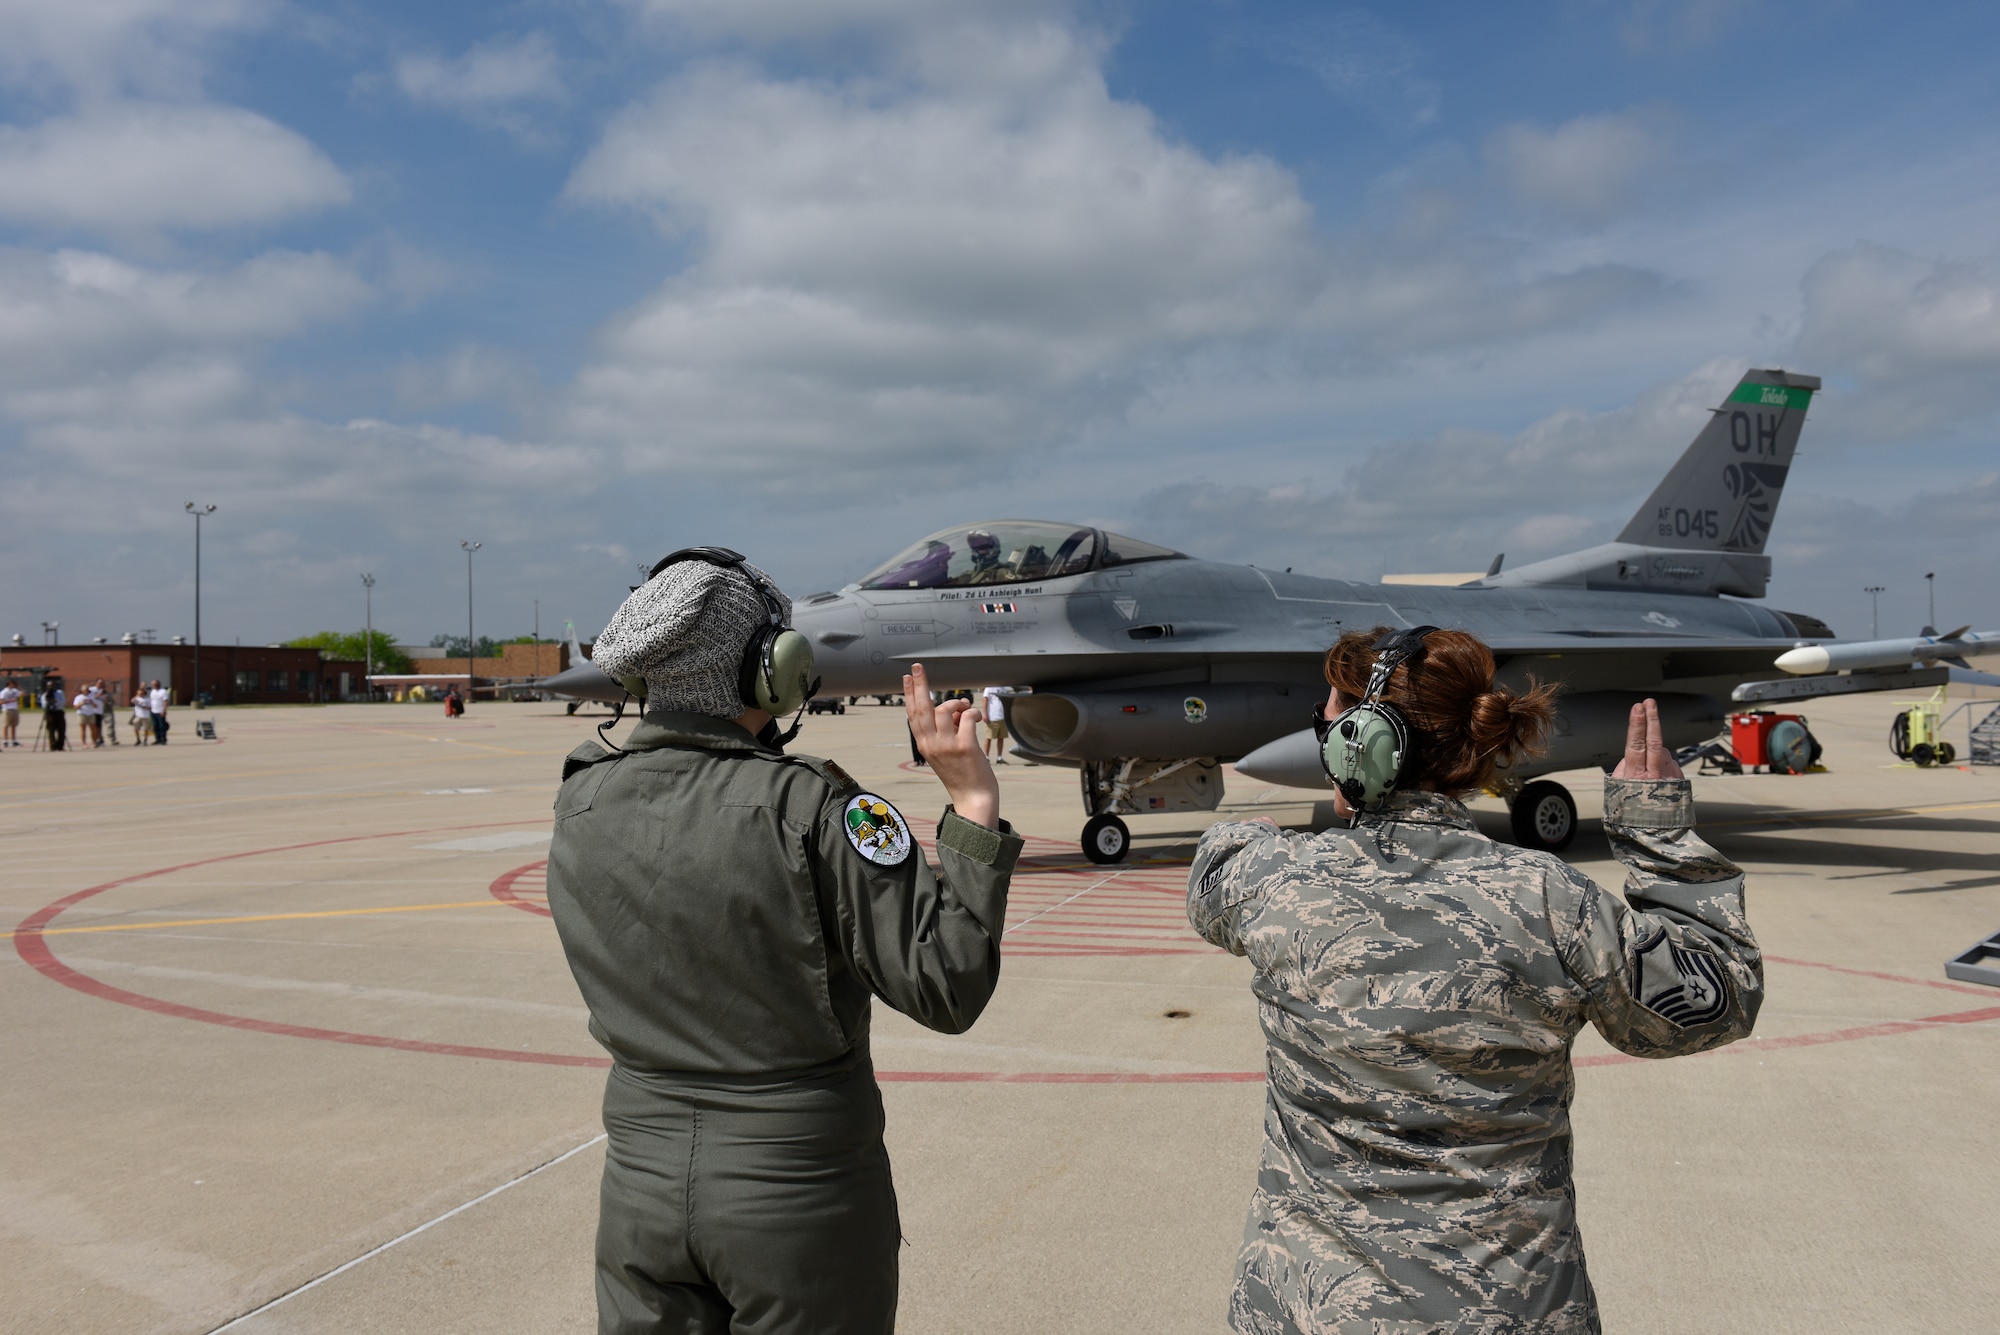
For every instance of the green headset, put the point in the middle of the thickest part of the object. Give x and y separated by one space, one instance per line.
777 671
1366 750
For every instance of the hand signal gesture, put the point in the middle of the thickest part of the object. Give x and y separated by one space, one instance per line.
947 736
1646 753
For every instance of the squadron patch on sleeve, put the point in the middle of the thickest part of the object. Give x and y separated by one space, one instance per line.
877 830
1680 983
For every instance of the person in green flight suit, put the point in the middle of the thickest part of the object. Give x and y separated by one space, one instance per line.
730 912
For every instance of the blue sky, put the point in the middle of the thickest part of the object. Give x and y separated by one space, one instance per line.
1343 288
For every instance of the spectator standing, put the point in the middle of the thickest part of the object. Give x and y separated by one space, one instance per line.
10 713
994 700
142 715
157 701
53 718
89 718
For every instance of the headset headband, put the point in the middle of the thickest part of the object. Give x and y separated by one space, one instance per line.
1391 652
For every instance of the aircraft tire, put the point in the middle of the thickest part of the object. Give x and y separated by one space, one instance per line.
573 705
1106 840
1544 816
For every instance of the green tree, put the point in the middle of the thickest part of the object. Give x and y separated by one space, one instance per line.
353 645
454 646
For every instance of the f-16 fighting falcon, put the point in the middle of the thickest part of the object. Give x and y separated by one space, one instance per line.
1150 668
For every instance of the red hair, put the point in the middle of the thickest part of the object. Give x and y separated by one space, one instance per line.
1461 727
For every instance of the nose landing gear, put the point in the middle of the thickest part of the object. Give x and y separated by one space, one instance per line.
1106 840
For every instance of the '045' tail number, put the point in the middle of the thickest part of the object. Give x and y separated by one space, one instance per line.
1689 523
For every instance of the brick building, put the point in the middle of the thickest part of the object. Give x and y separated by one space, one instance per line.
514 665
230 674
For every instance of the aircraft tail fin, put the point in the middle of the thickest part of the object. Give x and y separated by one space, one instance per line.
1722 494
1703 529
576 654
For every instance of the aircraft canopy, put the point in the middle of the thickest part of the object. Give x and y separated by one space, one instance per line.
1008 551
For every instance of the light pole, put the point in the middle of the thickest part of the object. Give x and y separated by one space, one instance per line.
49 632
199 512
470 548
1874 607
368 634
1930 587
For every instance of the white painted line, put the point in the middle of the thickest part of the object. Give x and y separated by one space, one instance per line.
405 1237
498 842
1053 907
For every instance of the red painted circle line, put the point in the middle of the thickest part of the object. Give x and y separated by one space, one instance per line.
32 946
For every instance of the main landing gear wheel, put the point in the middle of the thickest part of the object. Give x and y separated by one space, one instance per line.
1544 817
1106 840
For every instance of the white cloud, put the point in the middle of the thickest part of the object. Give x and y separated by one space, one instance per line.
986 251
780 20
1586 170
76 316
1922 337
1395 506
488 84
130 166
1374 68
1676 27
96 48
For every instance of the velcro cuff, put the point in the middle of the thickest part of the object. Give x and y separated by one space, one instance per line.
989 848
1649 804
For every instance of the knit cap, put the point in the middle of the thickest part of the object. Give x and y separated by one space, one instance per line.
684 631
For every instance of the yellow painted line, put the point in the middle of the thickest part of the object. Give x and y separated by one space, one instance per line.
260 917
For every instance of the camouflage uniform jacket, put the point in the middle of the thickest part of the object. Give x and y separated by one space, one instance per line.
721 920
1419 987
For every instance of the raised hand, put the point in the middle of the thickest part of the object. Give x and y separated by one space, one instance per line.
1646 753
947 737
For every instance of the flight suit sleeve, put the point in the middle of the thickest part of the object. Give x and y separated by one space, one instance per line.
1675 968
1231 864
926 940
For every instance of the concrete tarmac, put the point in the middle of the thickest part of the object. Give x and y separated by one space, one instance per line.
291 1047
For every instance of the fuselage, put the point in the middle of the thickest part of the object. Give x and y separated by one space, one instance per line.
1183 657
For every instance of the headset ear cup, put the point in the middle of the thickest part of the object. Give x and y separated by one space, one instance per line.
788 685
792 681
1364 754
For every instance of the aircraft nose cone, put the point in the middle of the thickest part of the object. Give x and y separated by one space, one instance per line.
1807 658
1291 761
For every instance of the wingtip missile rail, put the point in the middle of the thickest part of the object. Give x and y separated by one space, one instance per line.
1865 655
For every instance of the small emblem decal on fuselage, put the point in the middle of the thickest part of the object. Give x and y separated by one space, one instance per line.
999 609
1127 607
1662 619
1194 709
877 830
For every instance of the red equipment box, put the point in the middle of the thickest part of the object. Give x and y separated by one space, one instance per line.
1750 735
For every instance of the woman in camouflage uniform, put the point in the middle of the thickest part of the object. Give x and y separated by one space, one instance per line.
1420 986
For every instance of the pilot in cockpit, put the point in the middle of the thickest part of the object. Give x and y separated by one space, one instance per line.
985 550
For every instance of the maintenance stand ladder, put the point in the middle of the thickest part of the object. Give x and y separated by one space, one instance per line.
1971 967
1985 740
